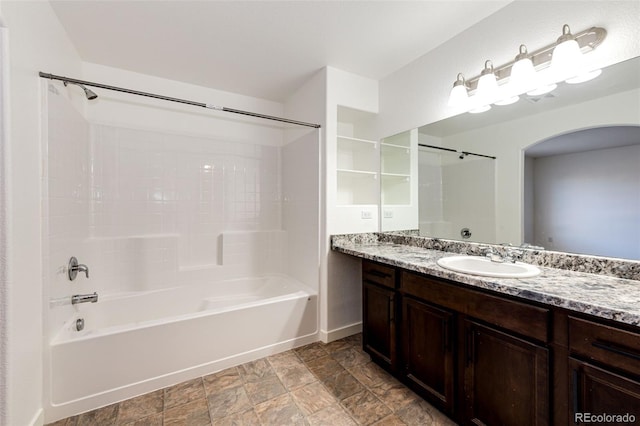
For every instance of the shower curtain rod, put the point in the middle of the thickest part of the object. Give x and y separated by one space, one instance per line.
182 101
453 150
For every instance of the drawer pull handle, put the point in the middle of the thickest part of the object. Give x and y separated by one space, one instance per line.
615 349
576 391
470 349
445 336
377 273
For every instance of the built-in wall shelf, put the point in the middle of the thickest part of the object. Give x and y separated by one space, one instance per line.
399 181
357 170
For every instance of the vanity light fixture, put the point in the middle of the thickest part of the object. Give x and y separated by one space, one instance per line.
533 73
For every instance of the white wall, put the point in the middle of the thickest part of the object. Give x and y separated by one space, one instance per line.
417 94
589 202
37 42
4 215
343 275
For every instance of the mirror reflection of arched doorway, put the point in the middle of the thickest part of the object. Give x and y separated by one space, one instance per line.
582 192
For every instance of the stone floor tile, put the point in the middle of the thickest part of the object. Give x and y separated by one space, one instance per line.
262 390
280 411
312 398
195 413
141 406
365 407
69 421
284 360
152 420
355 340
342 385
222 380
296 376
391 420
183 393
324 366
312 351
227 402
333 415
369 374
416 413
246 418
104 416
256 370
336 346
350 357
394 394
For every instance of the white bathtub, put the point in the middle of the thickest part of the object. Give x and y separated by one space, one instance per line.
138 342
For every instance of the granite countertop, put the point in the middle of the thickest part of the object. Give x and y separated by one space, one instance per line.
603 296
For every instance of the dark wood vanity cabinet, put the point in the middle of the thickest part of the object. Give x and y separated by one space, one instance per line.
598 391
478 358
378 314
506 378
428 351
603 370
487 359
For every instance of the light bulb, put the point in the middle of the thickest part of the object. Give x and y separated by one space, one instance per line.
566 59
487 85
523 74
459 97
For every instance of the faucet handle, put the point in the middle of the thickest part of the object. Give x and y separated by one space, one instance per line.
75 267
513 254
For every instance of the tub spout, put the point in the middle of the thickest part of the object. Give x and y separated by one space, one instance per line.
84 298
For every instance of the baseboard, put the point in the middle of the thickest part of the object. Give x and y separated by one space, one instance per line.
339 333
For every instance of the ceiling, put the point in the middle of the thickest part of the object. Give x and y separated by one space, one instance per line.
264 49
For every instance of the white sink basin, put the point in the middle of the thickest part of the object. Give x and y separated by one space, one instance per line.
476 265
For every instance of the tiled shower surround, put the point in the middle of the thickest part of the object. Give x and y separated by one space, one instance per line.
157 203
147 210
181 193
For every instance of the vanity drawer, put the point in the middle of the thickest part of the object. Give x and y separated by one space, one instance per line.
528 320
378 274
612 346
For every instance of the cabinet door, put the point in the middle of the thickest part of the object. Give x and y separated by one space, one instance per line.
427 352
379 331
506 380
595 391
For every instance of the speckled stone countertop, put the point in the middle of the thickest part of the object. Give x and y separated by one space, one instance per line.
603 296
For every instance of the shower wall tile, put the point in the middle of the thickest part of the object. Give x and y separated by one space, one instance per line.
149 184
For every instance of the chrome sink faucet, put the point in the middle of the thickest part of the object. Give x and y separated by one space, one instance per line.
492 255
512 255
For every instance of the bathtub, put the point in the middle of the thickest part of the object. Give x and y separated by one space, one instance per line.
138 342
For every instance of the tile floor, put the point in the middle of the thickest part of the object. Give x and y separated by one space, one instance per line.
334 384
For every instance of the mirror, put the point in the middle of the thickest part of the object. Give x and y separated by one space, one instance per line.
464 194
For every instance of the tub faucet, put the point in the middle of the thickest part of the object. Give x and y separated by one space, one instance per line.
75 267
84 298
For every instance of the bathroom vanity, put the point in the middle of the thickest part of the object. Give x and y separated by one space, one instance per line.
550 349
